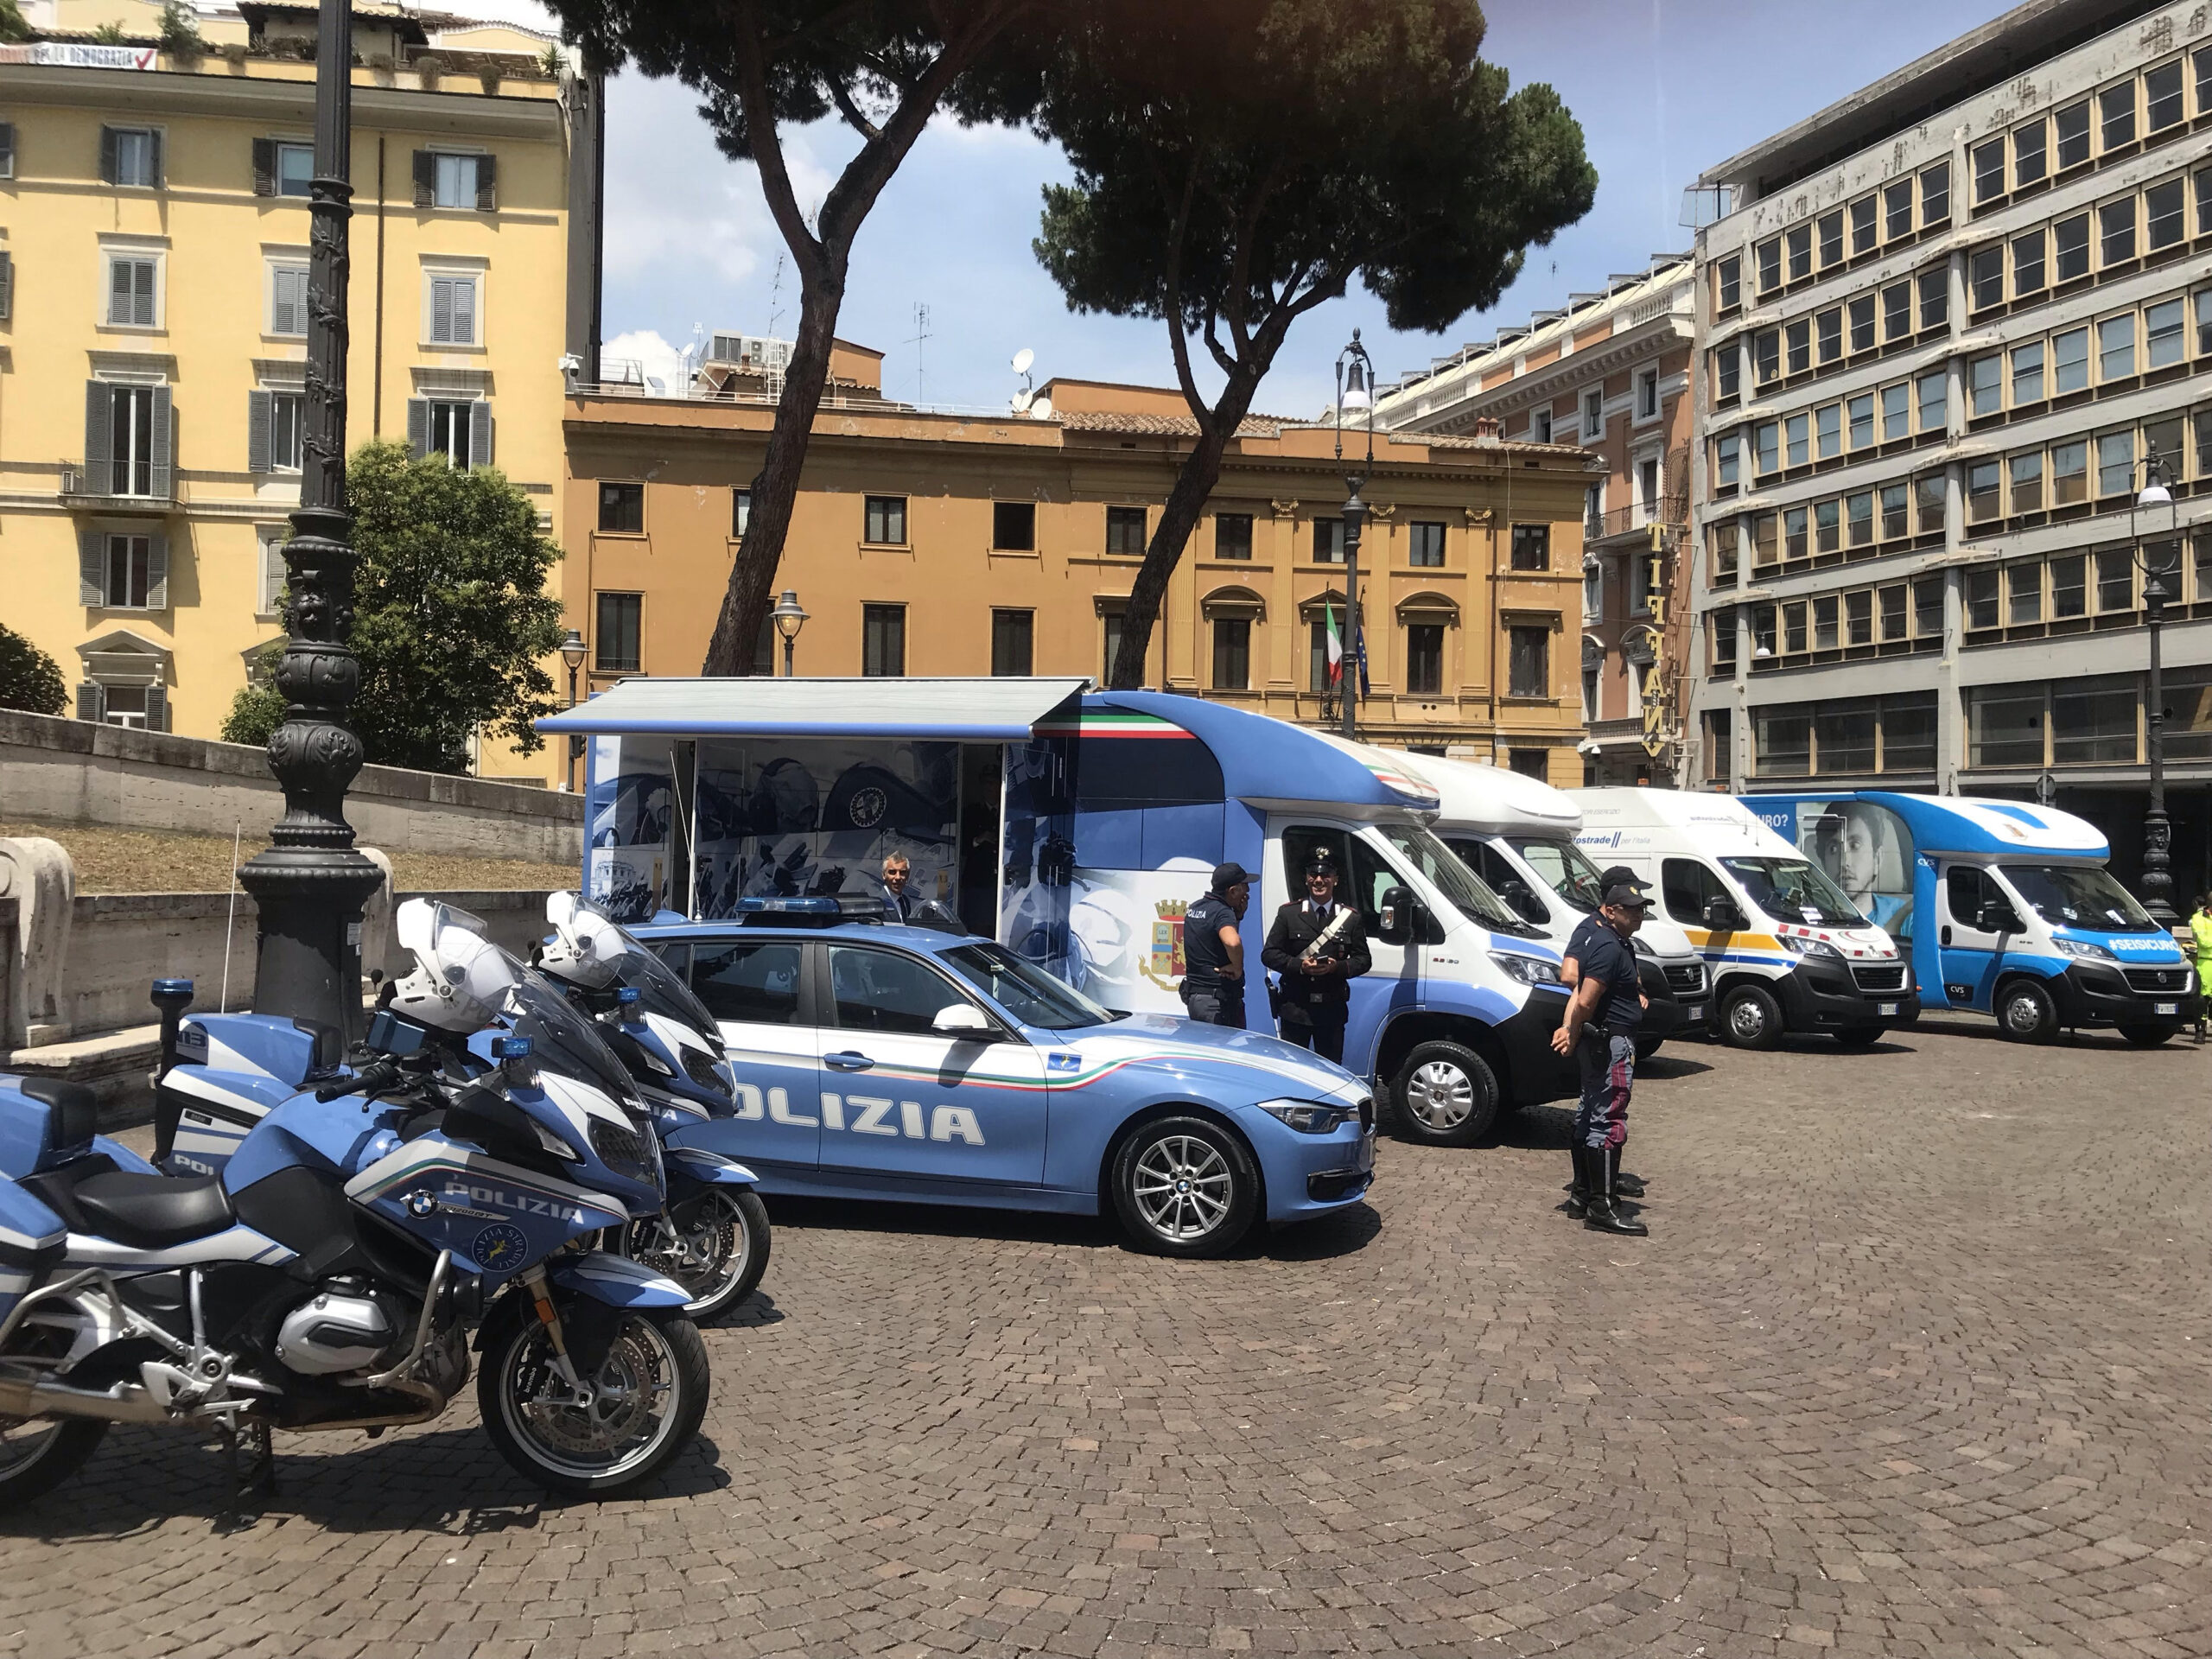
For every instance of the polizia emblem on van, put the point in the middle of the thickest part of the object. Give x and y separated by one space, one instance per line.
868 806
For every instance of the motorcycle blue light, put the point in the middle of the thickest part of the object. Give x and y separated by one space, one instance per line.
511 1048
627 993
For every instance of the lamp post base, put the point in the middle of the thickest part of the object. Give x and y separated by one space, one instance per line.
309 959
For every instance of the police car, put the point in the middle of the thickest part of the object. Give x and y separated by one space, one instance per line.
879 1061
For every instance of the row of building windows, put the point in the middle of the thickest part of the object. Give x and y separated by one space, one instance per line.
1591 410
2110 353
2106 125
1013 529
2097 472
1898 614
133 290
619 647
132 158
2104 240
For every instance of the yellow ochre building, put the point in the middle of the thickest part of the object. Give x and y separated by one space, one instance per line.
153 315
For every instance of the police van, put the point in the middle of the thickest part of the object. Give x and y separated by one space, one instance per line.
1517 833
2004 908
1788 952
1077 829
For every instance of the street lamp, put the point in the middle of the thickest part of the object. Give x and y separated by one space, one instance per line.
1355 393
790 619
2153 514
310 885
572 653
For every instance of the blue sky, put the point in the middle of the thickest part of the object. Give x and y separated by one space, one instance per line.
1663 89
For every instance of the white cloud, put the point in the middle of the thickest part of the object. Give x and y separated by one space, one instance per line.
660 360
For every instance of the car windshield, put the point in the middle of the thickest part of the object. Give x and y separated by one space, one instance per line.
1449 875
2072 895
561 1036
1791 890
1028 992
661 990
1561 863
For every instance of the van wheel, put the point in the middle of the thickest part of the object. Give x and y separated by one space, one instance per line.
1751 1018
1445 1095
2147 1036
1861 1036
2025 1012
1647 1046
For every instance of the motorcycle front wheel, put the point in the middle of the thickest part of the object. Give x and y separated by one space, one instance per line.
718 1256
647 1401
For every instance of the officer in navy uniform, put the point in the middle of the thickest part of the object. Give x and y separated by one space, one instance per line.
1314 997
1584 940
1213 950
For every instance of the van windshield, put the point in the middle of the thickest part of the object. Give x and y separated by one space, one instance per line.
1791 890
2071 895
1561 863
1448 873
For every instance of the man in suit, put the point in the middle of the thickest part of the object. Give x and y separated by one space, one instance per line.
1317 944
897 902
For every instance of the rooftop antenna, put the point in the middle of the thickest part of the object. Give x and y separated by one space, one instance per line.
921 334
1025 395
775 297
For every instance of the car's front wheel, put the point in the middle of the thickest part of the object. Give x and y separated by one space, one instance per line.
1185 1186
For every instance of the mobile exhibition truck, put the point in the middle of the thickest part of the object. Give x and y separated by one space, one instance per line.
1787 951
2004 908
1077 829
1517 833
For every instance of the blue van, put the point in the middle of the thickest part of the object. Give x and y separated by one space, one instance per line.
2006 909
1077 828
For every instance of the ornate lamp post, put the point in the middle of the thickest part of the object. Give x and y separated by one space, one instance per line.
1355 393
790 619
2152 515
572 655
310 886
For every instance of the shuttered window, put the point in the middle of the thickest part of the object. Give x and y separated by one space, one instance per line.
133 289
287 301
453 311
272 431
130 438
459 429
468 182
122 570
131 156
7 150
7 285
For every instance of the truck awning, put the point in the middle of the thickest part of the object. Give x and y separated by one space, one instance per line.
948 711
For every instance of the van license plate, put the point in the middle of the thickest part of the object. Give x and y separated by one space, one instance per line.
2165 1007
1696 1011
1890 1008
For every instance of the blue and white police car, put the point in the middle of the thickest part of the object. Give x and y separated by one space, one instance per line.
879 1061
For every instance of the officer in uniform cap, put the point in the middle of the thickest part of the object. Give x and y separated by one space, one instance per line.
1316 945
1213 951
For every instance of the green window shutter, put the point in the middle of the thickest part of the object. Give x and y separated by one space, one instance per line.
162 458
259 419
488 184
107 155
418 425
7 150
7 284
99 422
264 167
91 702
91 569
157 708
426 179
154 156
157 572
480 433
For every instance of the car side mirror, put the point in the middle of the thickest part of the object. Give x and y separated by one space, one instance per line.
960 1020
1725 915
1996 917
1396 917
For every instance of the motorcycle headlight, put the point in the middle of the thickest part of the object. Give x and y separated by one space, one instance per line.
1528 970
661 1067
701 1068
1308 1116
1805 947
2084 949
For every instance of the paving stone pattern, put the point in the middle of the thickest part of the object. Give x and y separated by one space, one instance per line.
1914 1364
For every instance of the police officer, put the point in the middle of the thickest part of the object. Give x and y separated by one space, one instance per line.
1585 937
1213 951
1600 1031
1314 995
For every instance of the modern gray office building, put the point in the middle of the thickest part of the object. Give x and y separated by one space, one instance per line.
1949 327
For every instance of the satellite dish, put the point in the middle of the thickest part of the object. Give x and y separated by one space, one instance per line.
1022 360
1022 400
1041 409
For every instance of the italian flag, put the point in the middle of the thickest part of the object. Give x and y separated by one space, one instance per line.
1336 645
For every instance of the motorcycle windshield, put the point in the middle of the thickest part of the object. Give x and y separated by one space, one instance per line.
561 1037
661 990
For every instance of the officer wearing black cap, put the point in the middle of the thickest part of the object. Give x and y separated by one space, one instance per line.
1600 1031
1213 951
1316 945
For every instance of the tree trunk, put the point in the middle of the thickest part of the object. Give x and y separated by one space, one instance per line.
747 600
1200 471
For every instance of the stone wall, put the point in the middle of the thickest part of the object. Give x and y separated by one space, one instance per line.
59 771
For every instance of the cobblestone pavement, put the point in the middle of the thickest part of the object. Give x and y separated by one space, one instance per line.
1914 1363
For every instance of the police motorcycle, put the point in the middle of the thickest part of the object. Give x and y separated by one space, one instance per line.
330 1277
713 1237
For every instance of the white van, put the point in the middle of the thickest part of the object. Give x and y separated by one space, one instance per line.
1517 833
1787 951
